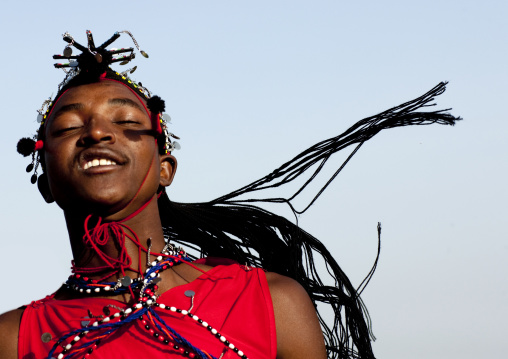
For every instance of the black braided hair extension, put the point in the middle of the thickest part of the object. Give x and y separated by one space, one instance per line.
235 228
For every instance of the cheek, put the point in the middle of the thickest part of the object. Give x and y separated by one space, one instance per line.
56 159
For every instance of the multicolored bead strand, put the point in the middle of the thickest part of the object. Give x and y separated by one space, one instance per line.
143 310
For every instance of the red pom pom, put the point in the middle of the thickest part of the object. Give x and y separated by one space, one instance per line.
39 145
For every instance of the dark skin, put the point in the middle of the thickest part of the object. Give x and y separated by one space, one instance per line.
106 121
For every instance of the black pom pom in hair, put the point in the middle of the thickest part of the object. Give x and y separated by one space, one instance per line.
155 104
26 146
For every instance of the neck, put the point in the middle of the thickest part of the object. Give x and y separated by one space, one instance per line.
140 227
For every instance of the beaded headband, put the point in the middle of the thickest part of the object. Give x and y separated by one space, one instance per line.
93 65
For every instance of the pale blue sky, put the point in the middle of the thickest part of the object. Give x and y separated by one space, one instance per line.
251 83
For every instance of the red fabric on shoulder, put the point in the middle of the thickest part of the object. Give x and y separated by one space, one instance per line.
231 298
215 261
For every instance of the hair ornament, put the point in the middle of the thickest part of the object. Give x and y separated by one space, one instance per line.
39 145
26 146
89 66
44 107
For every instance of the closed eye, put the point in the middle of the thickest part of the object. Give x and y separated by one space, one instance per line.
65 130
128 123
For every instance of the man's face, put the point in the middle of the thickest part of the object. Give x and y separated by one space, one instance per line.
100 150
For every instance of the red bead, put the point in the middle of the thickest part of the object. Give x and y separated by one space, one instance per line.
191 355
78 276
151 331
144 299
181 350
161 338
143 322
85 278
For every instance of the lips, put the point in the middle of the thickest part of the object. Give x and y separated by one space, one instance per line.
98 162
100 157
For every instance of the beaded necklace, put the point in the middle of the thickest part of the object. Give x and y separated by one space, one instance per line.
144 310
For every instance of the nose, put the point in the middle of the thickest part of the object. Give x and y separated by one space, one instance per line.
97 130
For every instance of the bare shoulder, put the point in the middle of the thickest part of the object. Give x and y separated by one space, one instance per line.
298 331
9 329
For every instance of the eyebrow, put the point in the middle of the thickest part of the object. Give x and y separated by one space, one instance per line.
68 108
125 102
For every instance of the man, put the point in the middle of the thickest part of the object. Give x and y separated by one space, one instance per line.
105 152
100 157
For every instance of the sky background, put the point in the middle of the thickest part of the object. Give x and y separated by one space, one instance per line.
249 84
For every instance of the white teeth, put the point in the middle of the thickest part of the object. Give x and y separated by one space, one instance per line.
98 162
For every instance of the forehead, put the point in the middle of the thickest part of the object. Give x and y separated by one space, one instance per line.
97 92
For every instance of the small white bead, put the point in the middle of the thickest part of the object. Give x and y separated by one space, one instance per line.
60 356
77 338
88 291
128 311
184 312
145 281
68 346
106 288
195 317
105 320
159 258
97 290
154 263
231 346
173 309
149 301
116 315
240 353
222 338
214 331
162 306
139 305
205 324
85 332
153 274
95 324
81 290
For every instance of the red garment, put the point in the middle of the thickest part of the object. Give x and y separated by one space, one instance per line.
232 299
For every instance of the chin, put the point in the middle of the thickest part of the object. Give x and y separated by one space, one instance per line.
103 204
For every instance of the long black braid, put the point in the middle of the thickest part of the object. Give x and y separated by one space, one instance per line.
235 228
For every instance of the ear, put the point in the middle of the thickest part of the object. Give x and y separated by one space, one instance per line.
168 166
43 185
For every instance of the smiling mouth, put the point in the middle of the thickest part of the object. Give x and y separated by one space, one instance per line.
96 162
